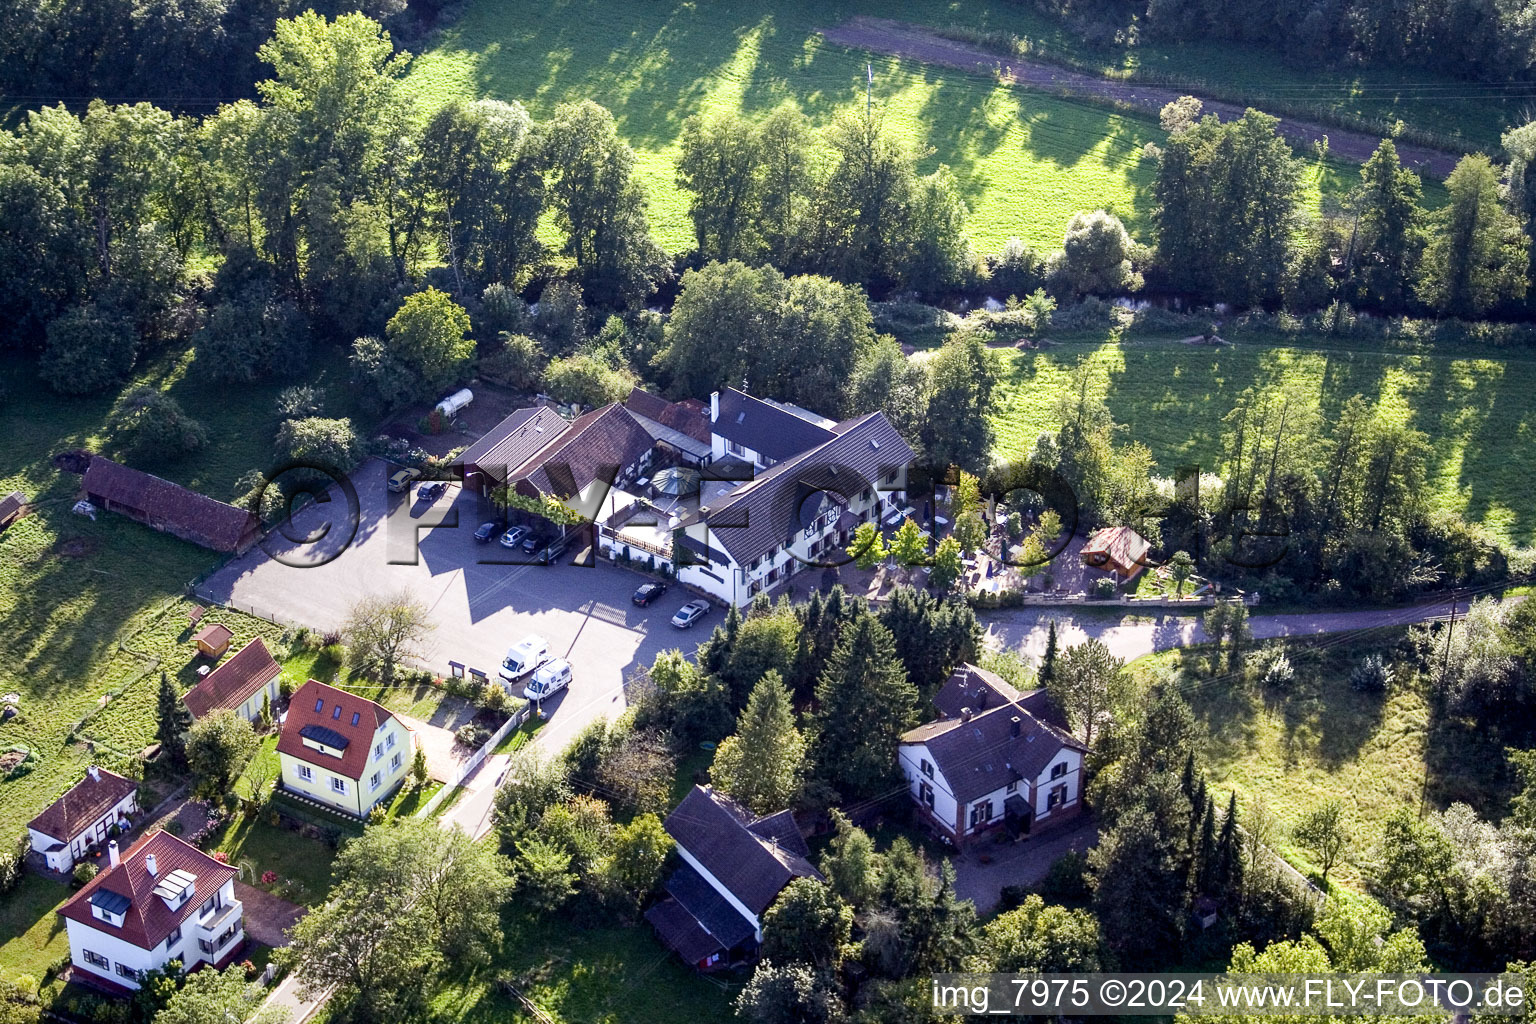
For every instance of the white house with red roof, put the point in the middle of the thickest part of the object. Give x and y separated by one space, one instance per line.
342 750
82 817
164 900
243 684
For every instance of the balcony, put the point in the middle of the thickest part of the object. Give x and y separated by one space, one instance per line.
215 921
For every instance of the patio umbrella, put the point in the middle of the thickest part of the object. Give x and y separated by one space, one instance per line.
676 481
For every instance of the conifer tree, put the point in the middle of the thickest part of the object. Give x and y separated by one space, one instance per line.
762 764
173 720
865 703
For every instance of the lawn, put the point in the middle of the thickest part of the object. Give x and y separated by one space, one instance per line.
87 608
31 934
1322 740
614 975
1025 161
303 865
1475 408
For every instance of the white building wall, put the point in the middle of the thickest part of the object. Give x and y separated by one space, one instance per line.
944 807
1072 780
74 848
84 938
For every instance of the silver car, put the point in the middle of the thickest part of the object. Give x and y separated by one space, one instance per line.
690 613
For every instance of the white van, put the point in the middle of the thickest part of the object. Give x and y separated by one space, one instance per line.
529 653
551 677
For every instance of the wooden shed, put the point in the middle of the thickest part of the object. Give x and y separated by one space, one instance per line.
1117 549
213 639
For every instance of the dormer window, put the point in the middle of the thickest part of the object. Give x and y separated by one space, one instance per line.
176 888
109 907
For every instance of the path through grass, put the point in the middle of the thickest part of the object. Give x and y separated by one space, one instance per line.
1026 161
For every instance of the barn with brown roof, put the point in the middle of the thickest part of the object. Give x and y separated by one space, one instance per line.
170 508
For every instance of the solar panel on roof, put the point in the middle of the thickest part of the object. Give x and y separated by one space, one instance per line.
326 737
111 902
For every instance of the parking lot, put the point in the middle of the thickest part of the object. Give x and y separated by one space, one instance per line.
480 602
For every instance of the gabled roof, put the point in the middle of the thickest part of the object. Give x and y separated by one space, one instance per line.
717 833
981 754
691 419
232 683
10 505
504 449
334 715
197 517
147 919
1119 547
215 634
765 427
756 517
83 804
602 440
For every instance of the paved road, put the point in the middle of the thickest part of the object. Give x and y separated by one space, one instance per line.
472 811
1136 634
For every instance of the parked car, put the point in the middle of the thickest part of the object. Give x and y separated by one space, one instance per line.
532 543
486 532
552 553
648 592
514 536
523 657
401 479
690 613
549 679
431 492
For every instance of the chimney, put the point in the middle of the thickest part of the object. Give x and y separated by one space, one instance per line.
965 714
112 858
149 864
714 406
94 773
1014 724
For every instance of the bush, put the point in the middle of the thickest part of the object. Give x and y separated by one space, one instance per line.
88 349
1280 673
472 735
85 871
331 444
518 363
151 424
1066 881
300 401
1104 588
1371 675
13 863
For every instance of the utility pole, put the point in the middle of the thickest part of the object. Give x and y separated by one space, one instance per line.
869 88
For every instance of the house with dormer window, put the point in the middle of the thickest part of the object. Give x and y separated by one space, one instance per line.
163 900
995 758
341 750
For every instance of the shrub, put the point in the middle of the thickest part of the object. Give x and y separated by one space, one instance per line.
1067 880
1371 675
1280 673
378 814
88 349
332 444
269 878
1104 588
13 863
300 402
85 871
150 423
518 363
472 735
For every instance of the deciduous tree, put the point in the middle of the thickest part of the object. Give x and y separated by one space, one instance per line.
383 630
219 745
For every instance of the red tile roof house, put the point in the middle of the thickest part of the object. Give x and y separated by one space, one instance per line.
1117 549
342 751
997 757
164 900
242 684
82 817
170 508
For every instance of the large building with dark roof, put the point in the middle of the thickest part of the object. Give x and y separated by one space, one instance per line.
163 900
340 750
734 866
170 508
997 757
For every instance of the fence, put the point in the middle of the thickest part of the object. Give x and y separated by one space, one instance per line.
464 770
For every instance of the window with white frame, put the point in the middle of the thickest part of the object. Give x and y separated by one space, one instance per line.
1056 797
306 773
389 741
378 751
981 813
926 766
339 785
925 794
127 972
373 783
1058 770
173 938
394 762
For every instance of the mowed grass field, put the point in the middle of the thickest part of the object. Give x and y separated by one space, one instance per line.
1026 161
1475 409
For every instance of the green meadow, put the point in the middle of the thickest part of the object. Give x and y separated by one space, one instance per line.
1026 161
1475 408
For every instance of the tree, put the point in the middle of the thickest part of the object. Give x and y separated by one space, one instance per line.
868 548
1035 937
409 899
383 630
787 994
932 636
534 782
1138 893
1522 806
1390 233
425 349
172 719
632 867
320 442
807 923
419 767
219 745
217 997
761 765
1226 624
1095 257
724 316
961 380
599 206
850 864
1048 661
865 704
1325 834
969 529
720 164
947 567
886 380
1040 307
909 547
1477 254
1180 568
149 423
1086 683
88 349
588 379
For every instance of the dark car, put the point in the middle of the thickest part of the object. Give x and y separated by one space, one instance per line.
486 532
648 592
532 543
431 492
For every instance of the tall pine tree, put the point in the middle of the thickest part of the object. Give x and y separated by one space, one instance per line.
761 765
865 703
172 721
